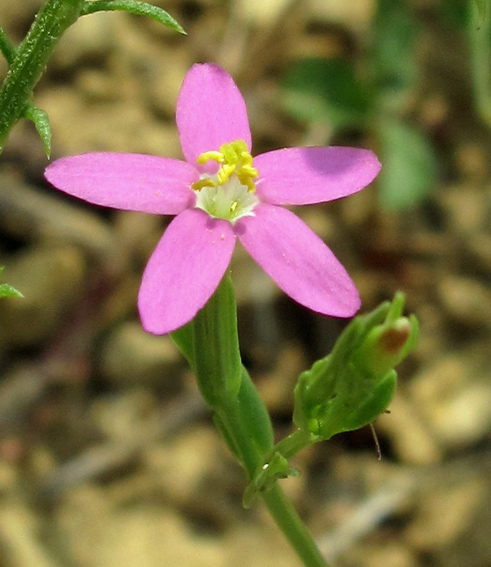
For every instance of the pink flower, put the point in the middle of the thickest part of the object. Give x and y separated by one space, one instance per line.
221 194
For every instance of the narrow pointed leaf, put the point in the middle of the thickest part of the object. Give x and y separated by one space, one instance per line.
133 7
41 122
6 47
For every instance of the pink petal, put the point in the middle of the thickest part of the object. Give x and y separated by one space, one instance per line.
300 176
210 112
298 261
184 270
133 182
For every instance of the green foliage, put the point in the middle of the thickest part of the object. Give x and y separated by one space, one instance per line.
317 89
7 290
330 90
409 165
392 54
132 7
28 61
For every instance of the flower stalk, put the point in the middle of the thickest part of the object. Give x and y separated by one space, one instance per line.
239 412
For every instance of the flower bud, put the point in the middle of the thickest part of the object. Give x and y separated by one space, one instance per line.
356 382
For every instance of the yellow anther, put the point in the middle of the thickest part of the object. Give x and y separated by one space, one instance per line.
235 158
205 182
207 156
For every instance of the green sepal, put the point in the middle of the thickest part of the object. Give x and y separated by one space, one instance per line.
277 468
41 122
250 411
218 365
254 415
353 385
6 290
229 440
375 405
184 340
133 7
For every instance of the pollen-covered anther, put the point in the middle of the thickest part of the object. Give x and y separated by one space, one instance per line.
234 158
207 156
205 182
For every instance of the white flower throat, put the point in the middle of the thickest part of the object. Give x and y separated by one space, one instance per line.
230 194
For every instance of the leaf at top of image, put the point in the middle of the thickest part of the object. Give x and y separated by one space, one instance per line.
408 166
325 90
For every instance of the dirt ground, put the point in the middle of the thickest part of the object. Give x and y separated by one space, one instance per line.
107 454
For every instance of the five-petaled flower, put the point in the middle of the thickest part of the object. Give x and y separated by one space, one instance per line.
220 194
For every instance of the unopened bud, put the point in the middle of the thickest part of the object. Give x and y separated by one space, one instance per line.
352 386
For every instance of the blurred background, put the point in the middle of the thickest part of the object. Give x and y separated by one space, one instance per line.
107 454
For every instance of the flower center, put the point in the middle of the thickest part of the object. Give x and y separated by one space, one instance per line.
230 193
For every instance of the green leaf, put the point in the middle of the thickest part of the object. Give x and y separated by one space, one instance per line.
132 7
7 290
41 122
317 90
392 54
409 165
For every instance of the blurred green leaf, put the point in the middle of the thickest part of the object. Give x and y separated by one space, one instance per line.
456 12
394 36
409 165
325 90
7 290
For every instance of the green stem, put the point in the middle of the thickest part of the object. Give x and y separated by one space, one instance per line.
292 444
211 345
292 526
280 508
31 58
